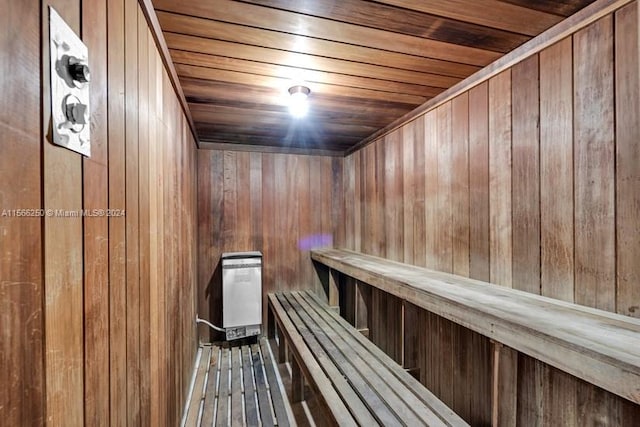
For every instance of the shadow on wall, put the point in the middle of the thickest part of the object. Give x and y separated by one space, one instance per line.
213 294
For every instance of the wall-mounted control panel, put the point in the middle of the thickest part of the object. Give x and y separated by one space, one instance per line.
70 78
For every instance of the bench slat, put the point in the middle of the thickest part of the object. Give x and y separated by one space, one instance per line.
310 367
599 347
405 393
381 399
222 417
236 388
438 408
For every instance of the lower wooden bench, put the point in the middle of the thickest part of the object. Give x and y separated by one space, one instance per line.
354 380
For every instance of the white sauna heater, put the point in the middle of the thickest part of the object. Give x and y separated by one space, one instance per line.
241 294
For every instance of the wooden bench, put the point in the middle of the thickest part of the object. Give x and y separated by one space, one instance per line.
355 381
599 347
237 386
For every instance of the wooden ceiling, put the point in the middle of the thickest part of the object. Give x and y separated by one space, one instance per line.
366 62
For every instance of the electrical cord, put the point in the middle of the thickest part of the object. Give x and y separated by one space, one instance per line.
211 325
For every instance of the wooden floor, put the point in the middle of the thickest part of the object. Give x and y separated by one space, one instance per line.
236 386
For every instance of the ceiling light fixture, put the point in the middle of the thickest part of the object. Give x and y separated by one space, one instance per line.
298 100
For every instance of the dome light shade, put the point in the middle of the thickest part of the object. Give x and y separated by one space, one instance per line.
298 100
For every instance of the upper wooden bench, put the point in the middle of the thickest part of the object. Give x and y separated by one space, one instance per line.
597 346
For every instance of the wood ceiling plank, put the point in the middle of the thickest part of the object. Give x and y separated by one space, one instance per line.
231 115
231 146
304 62
569 26
300 129
181 57
563 8
190 25
410 22
331 142
315 130
249 96
279 20
504 16
274 135
338 143
281 85
284 121
315 114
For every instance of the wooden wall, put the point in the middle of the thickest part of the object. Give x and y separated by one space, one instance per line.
279 204
96 313
22 378
528 180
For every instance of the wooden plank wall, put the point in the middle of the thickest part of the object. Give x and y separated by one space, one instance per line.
22 397
279 204
528 180
96 312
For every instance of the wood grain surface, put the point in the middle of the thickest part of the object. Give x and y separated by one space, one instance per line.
594 345
525 178
627 161
88 295
479 182
500 184
279 204
556 172
22 334
594 160
550 167
63 258
96 229
460 185
401 50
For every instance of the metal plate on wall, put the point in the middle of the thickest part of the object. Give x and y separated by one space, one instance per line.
70 112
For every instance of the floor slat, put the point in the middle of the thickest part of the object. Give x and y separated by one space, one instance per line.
237 404
234 386
222 418
261 387
210 390
198 393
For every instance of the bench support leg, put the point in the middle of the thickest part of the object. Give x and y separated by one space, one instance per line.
271 325
334 289
297 382
410 335
362 304
504 390
282 347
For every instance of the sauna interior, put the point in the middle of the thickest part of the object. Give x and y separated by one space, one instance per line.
449 236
